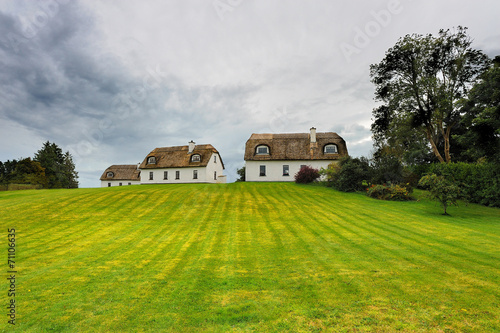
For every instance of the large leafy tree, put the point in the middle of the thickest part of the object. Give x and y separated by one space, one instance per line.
479 130
420 82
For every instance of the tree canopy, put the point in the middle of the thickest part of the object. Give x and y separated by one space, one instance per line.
421 82
49 169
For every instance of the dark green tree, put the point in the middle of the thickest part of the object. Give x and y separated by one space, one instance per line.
7 171
241 173
70 174
59 167
420 82
479 130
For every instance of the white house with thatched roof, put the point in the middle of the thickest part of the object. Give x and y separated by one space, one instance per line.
118 175
278 157
183 164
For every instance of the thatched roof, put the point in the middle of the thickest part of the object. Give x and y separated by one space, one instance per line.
122 172
294 146
179 157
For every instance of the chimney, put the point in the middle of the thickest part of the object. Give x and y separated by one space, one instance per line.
191 147
138 165
313 135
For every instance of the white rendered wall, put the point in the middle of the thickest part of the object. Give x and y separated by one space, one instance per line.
274 169
104 183
205 174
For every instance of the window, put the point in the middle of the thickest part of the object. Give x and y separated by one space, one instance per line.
215 175
110 174
262 170
109 184
215 158
130 183
165 175
151 160
330 149
177 175
195 174
120 184
195 158
302 166
286 170
151 175
262 150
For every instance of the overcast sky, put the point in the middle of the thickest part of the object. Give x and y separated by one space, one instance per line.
111 80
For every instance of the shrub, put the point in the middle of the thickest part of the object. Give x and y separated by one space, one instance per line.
386 169
306 175
331 173
353 173
392 192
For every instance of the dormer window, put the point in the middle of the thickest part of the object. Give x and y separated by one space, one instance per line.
151 160
195 158
262 150
110 174
330 149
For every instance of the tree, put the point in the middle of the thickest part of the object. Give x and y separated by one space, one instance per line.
70 174
420 82
59 167
29 172
441 189
241 173
479 134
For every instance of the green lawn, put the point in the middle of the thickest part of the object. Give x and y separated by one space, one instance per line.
248 257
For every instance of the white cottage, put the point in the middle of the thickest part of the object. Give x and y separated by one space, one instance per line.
118 175
278 157
183 164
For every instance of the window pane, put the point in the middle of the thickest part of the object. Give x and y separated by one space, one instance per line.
151 175
286 170
177 174
330 149
165 174
262 150
262 170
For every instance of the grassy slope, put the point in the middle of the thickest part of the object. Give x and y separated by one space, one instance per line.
246 256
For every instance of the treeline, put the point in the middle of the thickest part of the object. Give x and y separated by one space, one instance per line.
49 168
387 178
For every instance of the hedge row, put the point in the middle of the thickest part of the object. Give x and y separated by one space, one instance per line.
479 182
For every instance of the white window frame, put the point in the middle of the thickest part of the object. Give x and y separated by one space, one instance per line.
257 152
330 145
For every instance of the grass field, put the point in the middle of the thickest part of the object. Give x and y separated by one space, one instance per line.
248 257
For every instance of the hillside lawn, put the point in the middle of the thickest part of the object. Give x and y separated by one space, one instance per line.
265 257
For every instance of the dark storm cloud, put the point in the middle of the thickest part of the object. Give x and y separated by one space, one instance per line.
51 77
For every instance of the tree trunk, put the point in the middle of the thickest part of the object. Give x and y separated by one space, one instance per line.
428 132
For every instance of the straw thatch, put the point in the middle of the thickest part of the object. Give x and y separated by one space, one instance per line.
294 146
122 172
179 157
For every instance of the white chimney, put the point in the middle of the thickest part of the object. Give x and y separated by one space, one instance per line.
313 135
191 147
